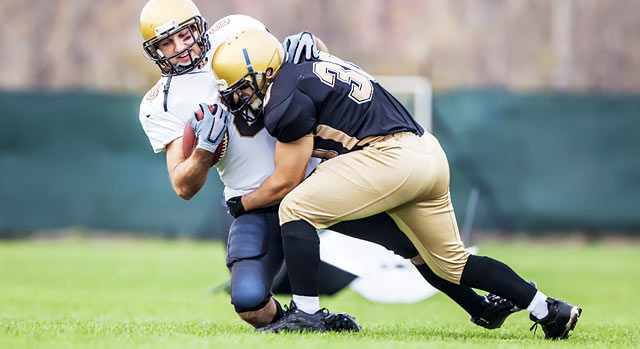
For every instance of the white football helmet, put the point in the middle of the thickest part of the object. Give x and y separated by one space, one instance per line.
230 25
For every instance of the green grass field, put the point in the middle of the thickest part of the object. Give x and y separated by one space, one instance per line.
150 293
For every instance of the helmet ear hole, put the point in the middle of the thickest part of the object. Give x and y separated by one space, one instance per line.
269 73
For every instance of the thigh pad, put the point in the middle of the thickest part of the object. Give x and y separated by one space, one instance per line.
248 238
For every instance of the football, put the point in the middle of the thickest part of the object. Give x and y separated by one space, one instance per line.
189 140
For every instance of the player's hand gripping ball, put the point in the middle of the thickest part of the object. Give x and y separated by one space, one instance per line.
211 122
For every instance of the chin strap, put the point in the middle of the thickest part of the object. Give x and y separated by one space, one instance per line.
166 92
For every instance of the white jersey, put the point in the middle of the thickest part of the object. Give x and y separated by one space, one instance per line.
186 92
248 161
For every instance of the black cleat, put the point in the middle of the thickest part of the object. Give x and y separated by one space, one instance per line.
496 310
561 319
296 320
338 322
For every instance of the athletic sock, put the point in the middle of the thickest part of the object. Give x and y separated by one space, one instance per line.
466 297
496 277
301 247
309 305
538 306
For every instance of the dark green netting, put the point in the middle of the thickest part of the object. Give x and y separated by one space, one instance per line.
541 161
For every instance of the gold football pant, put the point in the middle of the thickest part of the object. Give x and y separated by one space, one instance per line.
403 174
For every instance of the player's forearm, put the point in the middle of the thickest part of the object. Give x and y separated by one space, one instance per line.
322 47
291 161
269 193
190 175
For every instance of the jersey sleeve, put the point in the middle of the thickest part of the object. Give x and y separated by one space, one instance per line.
160 127
292 118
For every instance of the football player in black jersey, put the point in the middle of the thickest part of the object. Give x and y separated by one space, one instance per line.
379 161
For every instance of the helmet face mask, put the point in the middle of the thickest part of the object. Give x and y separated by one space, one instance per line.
197 28
239 103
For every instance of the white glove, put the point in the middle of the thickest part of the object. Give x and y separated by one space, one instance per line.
299 45
210 130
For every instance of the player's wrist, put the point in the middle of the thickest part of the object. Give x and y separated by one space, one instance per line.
206 145
202 155
235 206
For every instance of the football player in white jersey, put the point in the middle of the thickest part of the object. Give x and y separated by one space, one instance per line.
178 41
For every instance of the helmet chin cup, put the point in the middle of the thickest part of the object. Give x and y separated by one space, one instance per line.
256 104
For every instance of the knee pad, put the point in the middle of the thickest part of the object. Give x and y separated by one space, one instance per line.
248 290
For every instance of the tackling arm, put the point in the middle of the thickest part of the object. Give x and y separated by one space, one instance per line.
187 175
321 45
290 166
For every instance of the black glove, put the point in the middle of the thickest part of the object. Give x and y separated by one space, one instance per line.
234 207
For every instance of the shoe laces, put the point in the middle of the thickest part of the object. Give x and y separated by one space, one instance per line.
288 309
495 298
534 328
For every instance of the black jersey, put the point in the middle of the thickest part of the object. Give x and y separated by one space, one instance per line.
344 107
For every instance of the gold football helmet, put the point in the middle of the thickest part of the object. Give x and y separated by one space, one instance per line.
243 60
161 19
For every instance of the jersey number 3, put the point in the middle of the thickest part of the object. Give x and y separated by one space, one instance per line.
361 86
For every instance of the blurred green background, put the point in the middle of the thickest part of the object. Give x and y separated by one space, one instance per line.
537 104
